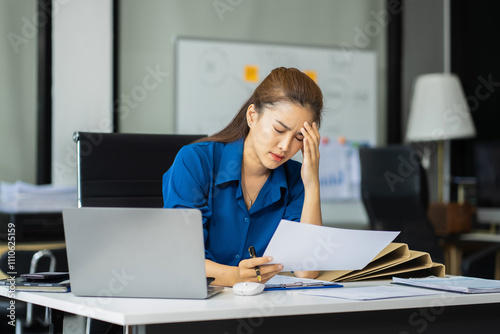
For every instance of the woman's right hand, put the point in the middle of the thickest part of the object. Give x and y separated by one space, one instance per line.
246 269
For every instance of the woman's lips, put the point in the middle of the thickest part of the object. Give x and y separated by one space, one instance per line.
277 157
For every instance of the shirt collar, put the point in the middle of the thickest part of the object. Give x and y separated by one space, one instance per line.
230 163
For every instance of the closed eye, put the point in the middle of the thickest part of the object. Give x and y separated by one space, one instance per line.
279 131
301 138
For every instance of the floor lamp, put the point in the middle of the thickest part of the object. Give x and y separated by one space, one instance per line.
439 112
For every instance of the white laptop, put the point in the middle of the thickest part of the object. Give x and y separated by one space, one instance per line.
136 252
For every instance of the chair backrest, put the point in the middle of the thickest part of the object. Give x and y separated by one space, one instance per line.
393 171
124 170
395 195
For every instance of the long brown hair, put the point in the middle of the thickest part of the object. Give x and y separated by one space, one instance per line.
281 85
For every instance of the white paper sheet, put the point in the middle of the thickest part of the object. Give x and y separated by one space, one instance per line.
370 292
299 246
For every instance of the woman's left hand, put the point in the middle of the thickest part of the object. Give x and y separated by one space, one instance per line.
310 153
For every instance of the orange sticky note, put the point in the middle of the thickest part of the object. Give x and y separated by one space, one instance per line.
312 74
251 73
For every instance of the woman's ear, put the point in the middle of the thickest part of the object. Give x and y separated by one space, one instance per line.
252 115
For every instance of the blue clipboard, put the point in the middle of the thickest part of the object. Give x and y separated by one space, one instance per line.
300 285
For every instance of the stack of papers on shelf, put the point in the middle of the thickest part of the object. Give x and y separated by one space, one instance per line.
453 284
25 197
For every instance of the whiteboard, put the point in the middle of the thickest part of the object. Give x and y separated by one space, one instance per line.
215 77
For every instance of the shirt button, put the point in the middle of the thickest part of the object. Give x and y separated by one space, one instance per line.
237 256
247 219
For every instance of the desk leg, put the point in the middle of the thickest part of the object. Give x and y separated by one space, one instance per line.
134 329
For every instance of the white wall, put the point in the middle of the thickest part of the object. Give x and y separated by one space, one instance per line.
149 28
18 45
82 78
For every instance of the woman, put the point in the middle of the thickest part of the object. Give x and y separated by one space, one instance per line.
243 181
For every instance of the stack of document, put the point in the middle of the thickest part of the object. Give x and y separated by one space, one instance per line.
344 255
299 246
24 197
453 283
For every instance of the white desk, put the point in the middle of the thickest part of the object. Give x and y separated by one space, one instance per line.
285 310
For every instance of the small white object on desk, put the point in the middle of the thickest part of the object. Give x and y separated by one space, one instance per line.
248 288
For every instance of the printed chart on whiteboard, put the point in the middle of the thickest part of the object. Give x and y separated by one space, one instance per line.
214 78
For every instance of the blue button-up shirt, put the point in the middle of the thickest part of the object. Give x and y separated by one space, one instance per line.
207 176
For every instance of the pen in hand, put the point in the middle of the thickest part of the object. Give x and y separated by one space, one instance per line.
251 250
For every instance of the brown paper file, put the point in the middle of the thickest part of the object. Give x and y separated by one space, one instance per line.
394 260
399 254
391 255
416 262
437 269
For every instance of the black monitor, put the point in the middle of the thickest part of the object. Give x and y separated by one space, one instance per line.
487 170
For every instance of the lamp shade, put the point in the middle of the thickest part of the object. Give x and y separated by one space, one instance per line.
438 110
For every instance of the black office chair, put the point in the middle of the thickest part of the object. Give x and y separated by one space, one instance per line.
395 195
124 170
487 173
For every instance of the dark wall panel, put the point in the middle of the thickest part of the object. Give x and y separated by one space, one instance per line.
476 59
